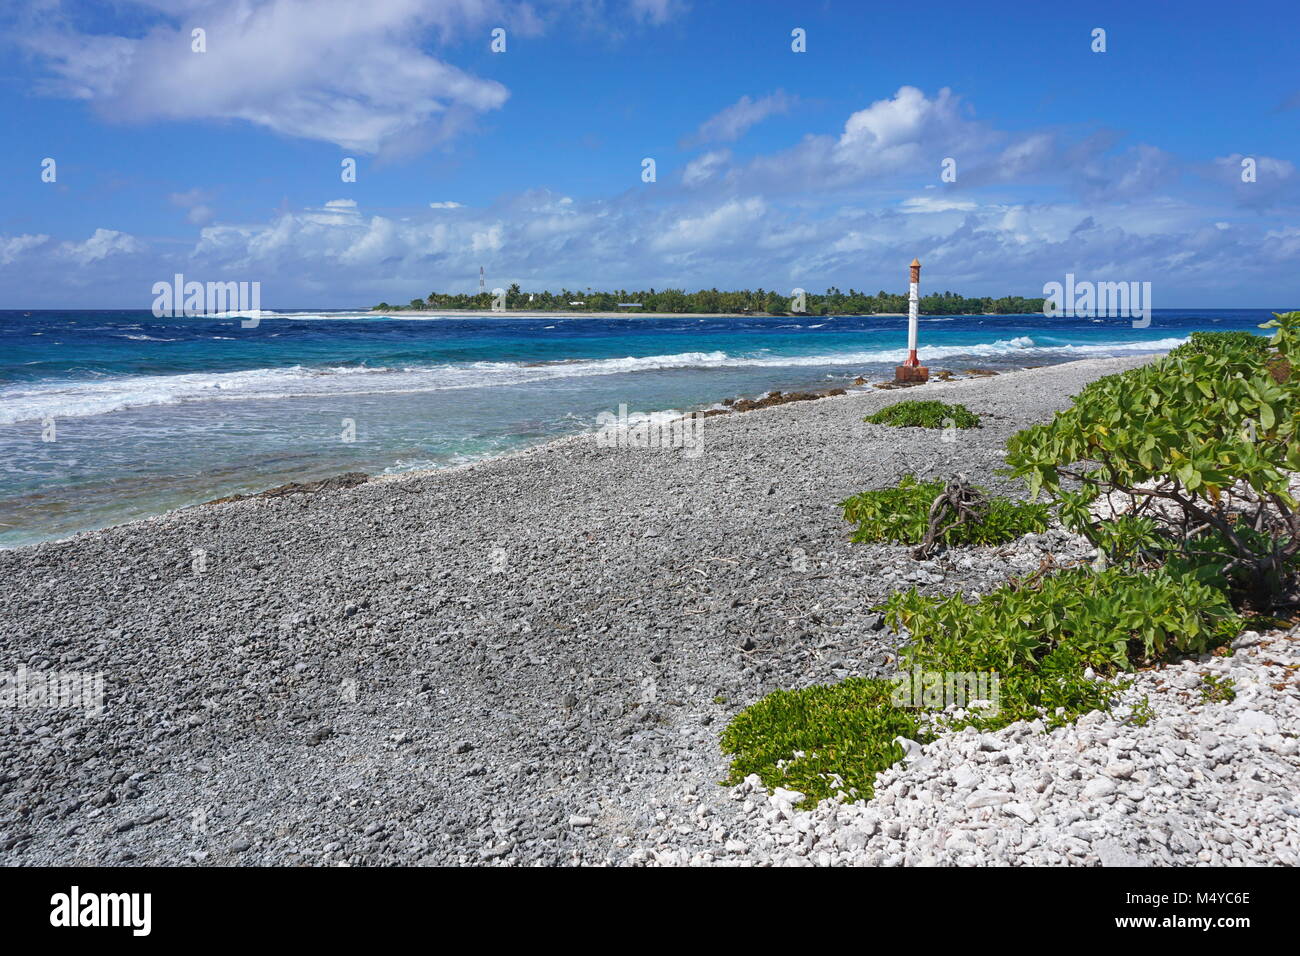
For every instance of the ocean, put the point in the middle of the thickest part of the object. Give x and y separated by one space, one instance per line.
108 416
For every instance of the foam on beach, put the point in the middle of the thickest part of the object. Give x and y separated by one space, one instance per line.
33 402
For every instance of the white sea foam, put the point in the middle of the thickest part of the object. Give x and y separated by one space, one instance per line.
72 399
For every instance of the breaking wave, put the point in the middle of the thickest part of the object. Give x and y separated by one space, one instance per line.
72 399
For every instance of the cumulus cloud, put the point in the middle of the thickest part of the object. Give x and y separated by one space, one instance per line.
906 132
12 247
333 70
905 139
544 240
725 224
102 244
356 74
736 120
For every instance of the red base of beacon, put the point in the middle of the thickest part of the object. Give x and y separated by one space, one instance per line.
911 374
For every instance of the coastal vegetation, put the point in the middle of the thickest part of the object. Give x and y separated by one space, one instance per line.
1209 342
1186 459
902 515
1041 638
924 414
1191 456
714 301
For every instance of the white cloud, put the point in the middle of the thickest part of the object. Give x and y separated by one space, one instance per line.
11 247
723 224
706 167
102 244
899 123
543 241
334 70
1029 155
355 74
446 205
736 120
486 240
905 133
921 204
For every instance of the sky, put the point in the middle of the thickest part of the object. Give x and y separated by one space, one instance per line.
991 140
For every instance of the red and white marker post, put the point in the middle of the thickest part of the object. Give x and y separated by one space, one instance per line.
912 372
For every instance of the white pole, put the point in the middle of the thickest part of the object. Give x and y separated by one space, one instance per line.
913 308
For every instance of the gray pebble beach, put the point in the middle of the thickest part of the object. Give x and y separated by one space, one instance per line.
526 661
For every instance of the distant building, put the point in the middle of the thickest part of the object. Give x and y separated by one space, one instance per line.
629 305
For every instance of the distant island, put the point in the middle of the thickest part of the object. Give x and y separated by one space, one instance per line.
715 302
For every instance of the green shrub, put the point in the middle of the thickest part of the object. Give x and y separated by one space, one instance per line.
1199 343
1038 639
1113 620
844 732
924 414
1211 435
901 514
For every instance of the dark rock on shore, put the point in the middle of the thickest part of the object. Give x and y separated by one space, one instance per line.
769 400
349 479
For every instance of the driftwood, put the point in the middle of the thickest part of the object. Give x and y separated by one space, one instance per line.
958 503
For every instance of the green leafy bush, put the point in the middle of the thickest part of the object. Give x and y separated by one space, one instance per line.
924 414
1199 343
1111 620
844 734
1038 638
1200 443
901 514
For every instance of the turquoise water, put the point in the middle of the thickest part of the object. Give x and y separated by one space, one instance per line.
149 414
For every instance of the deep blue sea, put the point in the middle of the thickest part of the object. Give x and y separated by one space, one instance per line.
106 416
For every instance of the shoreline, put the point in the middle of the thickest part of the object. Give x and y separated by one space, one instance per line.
516 661
384 477
849 393
626 313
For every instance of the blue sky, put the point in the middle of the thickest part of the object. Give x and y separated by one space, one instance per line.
773 168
